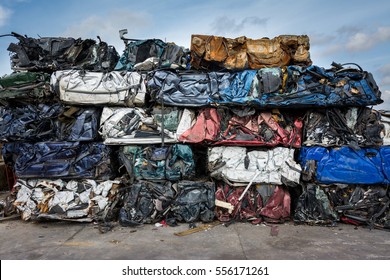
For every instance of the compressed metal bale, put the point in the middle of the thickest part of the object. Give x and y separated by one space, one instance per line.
195 201
27 86
353 204
345 165
48 122
68 160
185 88
362 205
315 207
82 200
260 202
299 87
273 166
136 126
29 122
246 209
354 127
174 162
214 52
150 54
183 201
146 202
205 127
99 88
245 127
78 124
57 53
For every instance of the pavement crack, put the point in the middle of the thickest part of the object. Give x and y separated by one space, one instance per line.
239 239
73 235
44 257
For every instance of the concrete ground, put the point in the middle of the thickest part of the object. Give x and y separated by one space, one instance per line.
21 240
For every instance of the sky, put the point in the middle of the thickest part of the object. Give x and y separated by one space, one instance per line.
342 31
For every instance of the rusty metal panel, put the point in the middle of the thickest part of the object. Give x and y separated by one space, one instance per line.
213 52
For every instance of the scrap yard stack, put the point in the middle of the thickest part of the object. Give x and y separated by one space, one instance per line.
230 130
61 168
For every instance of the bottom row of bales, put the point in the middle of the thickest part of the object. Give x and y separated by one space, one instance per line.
145 184
188 183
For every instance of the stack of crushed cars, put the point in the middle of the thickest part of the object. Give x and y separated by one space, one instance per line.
232 129
345 168
62 170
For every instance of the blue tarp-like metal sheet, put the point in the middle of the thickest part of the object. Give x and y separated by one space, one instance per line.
346 165
69 160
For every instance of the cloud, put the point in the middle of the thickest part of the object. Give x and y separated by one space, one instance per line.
225 25
385 69
362 41
386 101
386 80
330 50
321 38
348 30
107 27
5 14
384 72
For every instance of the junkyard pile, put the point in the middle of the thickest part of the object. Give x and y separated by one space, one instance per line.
232 129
